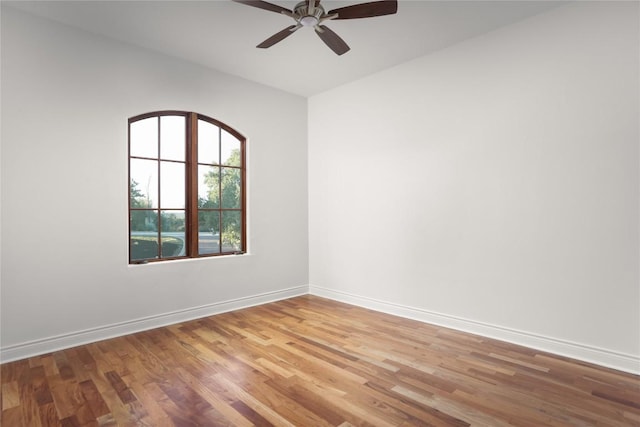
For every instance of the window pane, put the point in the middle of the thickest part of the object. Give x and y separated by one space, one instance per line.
231 231
208 232
230 149
173 233
144 220
208 188
172 190
144 183
143 239
208 147
172 138
230 188
143 137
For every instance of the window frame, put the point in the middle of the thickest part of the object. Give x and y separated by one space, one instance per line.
191 186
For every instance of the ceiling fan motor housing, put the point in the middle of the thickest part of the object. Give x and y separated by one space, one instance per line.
308 18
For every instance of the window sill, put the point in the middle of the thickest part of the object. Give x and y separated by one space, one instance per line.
182 260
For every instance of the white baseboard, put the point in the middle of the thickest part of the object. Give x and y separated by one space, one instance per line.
598 356
73 339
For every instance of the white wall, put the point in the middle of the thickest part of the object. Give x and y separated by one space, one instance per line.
66 97
492 186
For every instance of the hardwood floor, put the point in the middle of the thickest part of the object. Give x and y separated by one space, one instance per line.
309 361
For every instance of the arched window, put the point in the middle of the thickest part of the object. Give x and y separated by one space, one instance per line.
186 187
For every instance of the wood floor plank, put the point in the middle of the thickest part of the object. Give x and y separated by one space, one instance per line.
94 398
49 415
124 393
251 401
10 395
308 398
310 361
62 362
285 406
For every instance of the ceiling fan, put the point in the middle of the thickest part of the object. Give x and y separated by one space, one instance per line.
309 13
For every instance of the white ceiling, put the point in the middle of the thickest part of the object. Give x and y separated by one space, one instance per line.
222 35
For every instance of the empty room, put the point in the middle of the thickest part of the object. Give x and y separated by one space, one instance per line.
320 213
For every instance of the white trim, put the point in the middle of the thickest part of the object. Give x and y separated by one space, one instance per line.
73 339
599 356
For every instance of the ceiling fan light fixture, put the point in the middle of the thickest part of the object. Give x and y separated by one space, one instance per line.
309 21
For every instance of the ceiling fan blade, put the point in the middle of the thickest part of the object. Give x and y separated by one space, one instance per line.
264 5
332 40
366 10
278 37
